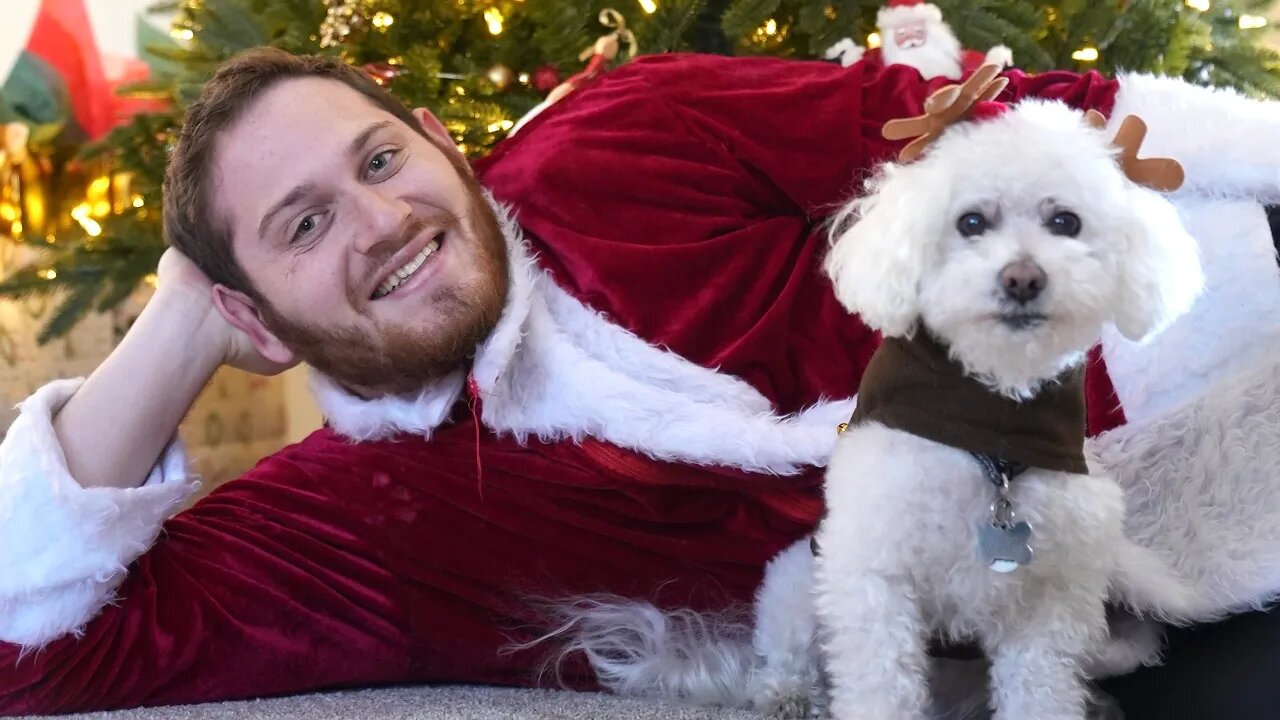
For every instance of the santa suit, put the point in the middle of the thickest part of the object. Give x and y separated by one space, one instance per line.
649 418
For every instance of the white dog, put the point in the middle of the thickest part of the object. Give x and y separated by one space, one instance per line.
1007 247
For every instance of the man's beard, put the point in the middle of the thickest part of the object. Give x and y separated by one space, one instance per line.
403 360
939 56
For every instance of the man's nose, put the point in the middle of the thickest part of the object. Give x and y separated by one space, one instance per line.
384 218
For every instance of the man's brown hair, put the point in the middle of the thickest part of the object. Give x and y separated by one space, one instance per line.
190 223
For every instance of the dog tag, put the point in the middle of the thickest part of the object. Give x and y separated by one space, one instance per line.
1005 547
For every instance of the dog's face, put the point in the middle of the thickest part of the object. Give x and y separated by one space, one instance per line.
1014 240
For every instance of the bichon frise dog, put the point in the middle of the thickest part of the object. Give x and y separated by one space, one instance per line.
959 503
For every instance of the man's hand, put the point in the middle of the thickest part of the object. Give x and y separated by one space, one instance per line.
187 290
114 428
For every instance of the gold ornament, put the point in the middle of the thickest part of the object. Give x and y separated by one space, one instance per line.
22 191
339 20
501 76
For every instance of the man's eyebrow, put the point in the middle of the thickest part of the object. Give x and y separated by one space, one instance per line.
357 144
291 197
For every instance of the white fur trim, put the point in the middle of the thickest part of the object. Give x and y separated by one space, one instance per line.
555 369
64 548
999 55
625 352
1232 325
1200 482
891 17
1224 140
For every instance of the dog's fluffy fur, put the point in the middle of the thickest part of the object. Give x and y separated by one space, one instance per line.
899 564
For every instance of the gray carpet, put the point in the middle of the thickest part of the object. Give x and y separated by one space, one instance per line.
432 703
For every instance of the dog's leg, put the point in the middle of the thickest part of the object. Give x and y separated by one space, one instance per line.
787 679
873 638
1035 666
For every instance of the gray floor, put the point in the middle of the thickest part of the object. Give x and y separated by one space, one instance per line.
432 703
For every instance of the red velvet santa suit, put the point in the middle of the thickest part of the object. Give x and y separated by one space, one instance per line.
678 196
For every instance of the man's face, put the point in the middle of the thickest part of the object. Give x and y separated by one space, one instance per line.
377 258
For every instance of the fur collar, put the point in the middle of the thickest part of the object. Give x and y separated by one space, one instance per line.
555 369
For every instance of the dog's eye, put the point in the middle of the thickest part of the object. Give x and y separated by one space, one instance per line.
971 224
1064 223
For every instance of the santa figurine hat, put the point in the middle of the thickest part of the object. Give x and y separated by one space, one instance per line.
898 12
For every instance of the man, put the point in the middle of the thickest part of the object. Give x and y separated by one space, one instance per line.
623 392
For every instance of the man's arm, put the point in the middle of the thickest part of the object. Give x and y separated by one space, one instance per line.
89 471
115 425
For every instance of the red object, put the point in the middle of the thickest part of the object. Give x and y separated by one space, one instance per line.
987 110
63 38
381 72
546 78
125 71
688 211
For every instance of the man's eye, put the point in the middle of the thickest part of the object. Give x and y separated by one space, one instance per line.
380 162
305 226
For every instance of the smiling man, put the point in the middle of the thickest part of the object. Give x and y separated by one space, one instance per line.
597 361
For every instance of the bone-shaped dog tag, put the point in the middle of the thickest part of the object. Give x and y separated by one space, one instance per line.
1005 547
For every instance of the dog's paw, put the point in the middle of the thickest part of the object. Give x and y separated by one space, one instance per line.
791 707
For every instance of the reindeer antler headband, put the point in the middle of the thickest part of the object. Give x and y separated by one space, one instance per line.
973 98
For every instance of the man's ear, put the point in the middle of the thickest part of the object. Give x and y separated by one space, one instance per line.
242 313
432 125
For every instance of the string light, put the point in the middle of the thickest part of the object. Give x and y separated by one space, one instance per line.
49 274
771 27
182 34
1087 54
1252 22
500 125
1201 5
493 17
151 279
137 201
81 215
382 20
873 41
649 6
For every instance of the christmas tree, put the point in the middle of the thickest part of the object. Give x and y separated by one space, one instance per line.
482 64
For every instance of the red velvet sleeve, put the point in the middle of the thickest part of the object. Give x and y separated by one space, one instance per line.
265 587
810 129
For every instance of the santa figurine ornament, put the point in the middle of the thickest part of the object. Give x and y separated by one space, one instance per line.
912 32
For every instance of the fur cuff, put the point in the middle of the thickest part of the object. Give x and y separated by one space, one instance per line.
64 548
1223 139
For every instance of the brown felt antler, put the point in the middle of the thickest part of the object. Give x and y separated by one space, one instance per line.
944 107
1161 174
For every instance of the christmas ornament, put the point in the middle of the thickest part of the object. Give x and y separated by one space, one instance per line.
597 57
546 78
501 76
381 72
913 33
22 188
339 20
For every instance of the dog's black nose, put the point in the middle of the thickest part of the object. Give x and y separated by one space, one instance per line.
1023 280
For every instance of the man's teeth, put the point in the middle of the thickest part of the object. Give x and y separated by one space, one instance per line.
405 271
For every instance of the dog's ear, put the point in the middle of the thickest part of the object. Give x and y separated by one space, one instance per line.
1160 268
878 252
